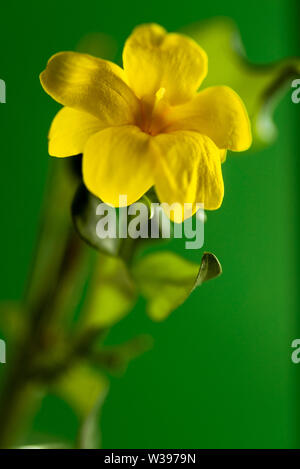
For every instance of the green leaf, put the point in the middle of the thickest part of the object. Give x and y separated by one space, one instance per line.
89 434
166 280
260 86
116 359
210 268
85 390
85 221
111 295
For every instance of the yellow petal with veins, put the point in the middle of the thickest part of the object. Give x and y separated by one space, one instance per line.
70 130
118 161
188 171
153 59
91 85
217 112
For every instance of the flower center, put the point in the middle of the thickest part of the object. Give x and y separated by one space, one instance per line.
154 113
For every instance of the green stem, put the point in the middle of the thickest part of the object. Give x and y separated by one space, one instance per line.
54 289
57 258
17 392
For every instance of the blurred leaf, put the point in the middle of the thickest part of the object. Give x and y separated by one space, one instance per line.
89 433
103 236
116 359
81 387
85 220
85 390
260 86
166 280
111 295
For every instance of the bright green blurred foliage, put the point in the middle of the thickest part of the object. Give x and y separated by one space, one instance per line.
219 374
260 86
166 280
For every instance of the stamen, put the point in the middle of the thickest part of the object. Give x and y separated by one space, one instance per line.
160 93
152 112
158 97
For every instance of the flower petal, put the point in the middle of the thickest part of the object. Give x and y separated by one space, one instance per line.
188 171
223 155
219 113
70 130
118 161
91 85
153 59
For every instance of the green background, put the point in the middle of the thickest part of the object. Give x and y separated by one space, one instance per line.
220 373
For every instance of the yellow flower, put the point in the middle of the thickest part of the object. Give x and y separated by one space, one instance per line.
145 124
